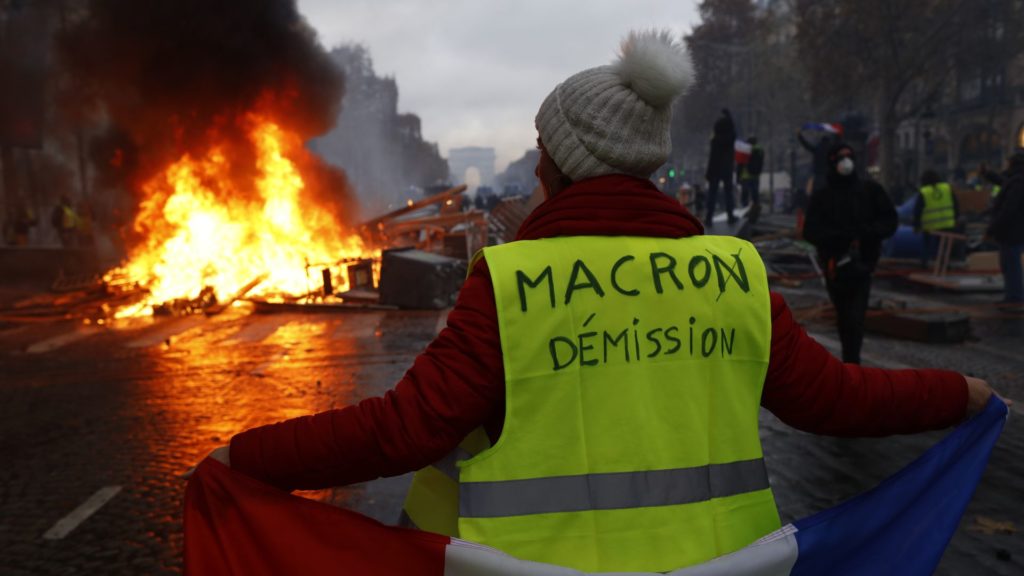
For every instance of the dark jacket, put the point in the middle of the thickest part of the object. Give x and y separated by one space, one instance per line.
1007 226
756 164
849 209
723 143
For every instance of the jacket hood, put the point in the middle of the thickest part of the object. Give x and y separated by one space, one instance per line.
835 179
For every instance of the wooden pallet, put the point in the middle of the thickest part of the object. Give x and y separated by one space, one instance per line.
961 282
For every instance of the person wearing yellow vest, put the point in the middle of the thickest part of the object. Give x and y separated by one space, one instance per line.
597 386
935 210
65 220
1005 230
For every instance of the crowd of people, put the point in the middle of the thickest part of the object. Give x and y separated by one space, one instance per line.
725 167
72 226
847 215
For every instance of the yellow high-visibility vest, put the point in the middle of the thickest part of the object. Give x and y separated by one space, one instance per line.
432 502
938 211
633 373
69 218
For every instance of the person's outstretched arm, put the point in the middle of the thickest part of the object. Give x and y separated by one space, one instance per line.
453 387
811 390
807 145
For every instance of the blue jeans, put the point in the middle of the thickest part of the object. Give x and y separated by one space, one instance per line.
1013 277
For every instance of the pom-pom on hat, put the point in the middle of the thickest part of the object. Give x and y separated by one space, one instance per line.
615 119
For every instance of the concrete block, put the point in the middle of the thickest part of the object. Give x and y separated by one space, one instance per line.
420 280
934 328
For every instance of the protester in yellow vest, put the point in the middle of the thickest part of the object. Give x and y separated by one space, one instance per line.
935 210
598 383
65 221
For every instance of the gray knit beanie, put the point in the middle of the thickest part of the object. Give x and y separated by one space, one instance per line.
615 119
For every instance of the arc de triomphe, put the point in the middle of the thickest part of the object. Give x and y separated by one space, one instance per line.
462 159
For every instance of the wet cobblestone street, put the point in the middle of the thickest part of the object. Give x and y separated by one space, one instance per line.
137 402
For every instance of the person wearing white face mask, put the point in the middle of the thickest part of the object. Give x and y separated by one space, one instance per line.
845 167
847 219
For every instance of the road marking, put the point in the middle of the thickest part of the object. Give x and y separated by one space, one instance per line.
65 525
61 340
836 348
165 331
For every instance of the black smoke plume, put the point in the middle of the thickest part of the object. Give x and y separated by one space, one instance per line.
168 77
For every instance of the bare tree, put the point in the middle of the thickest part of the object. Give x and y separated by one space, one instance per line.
898 56
720 47
745 60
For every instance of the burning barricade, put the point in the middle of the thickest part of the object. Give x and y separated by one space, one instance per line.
213 231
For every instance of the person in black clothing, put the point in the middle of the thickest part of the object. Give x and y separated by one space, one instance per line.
1007 228
995 179
847 219
720 165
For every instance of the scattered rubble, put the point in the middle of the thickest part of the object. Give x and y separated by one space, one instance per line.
989 526
427 245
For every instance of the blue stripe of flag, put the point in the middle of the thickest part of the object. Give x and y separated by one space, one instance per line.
903 525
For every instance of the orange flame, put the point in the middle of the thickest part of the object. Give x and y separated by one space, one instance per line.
201 232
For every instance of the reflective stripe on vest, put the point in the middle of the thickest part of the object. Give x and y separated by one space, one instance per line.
633 376
610 491
938 213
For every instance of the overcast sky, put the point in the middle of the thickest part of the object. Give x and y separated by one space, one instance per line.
476 71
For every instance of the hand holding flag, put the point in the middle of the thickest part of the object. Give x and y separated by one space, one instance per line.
236 525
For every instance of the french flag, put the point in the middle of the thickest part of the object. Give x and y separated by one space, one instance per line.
823 127
235 525
741 151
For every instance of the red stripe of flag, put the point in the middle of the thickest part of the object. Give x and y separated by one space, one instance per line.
236 525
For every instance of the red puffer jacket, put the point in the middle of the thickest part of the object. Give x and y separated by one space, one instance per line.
457 383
